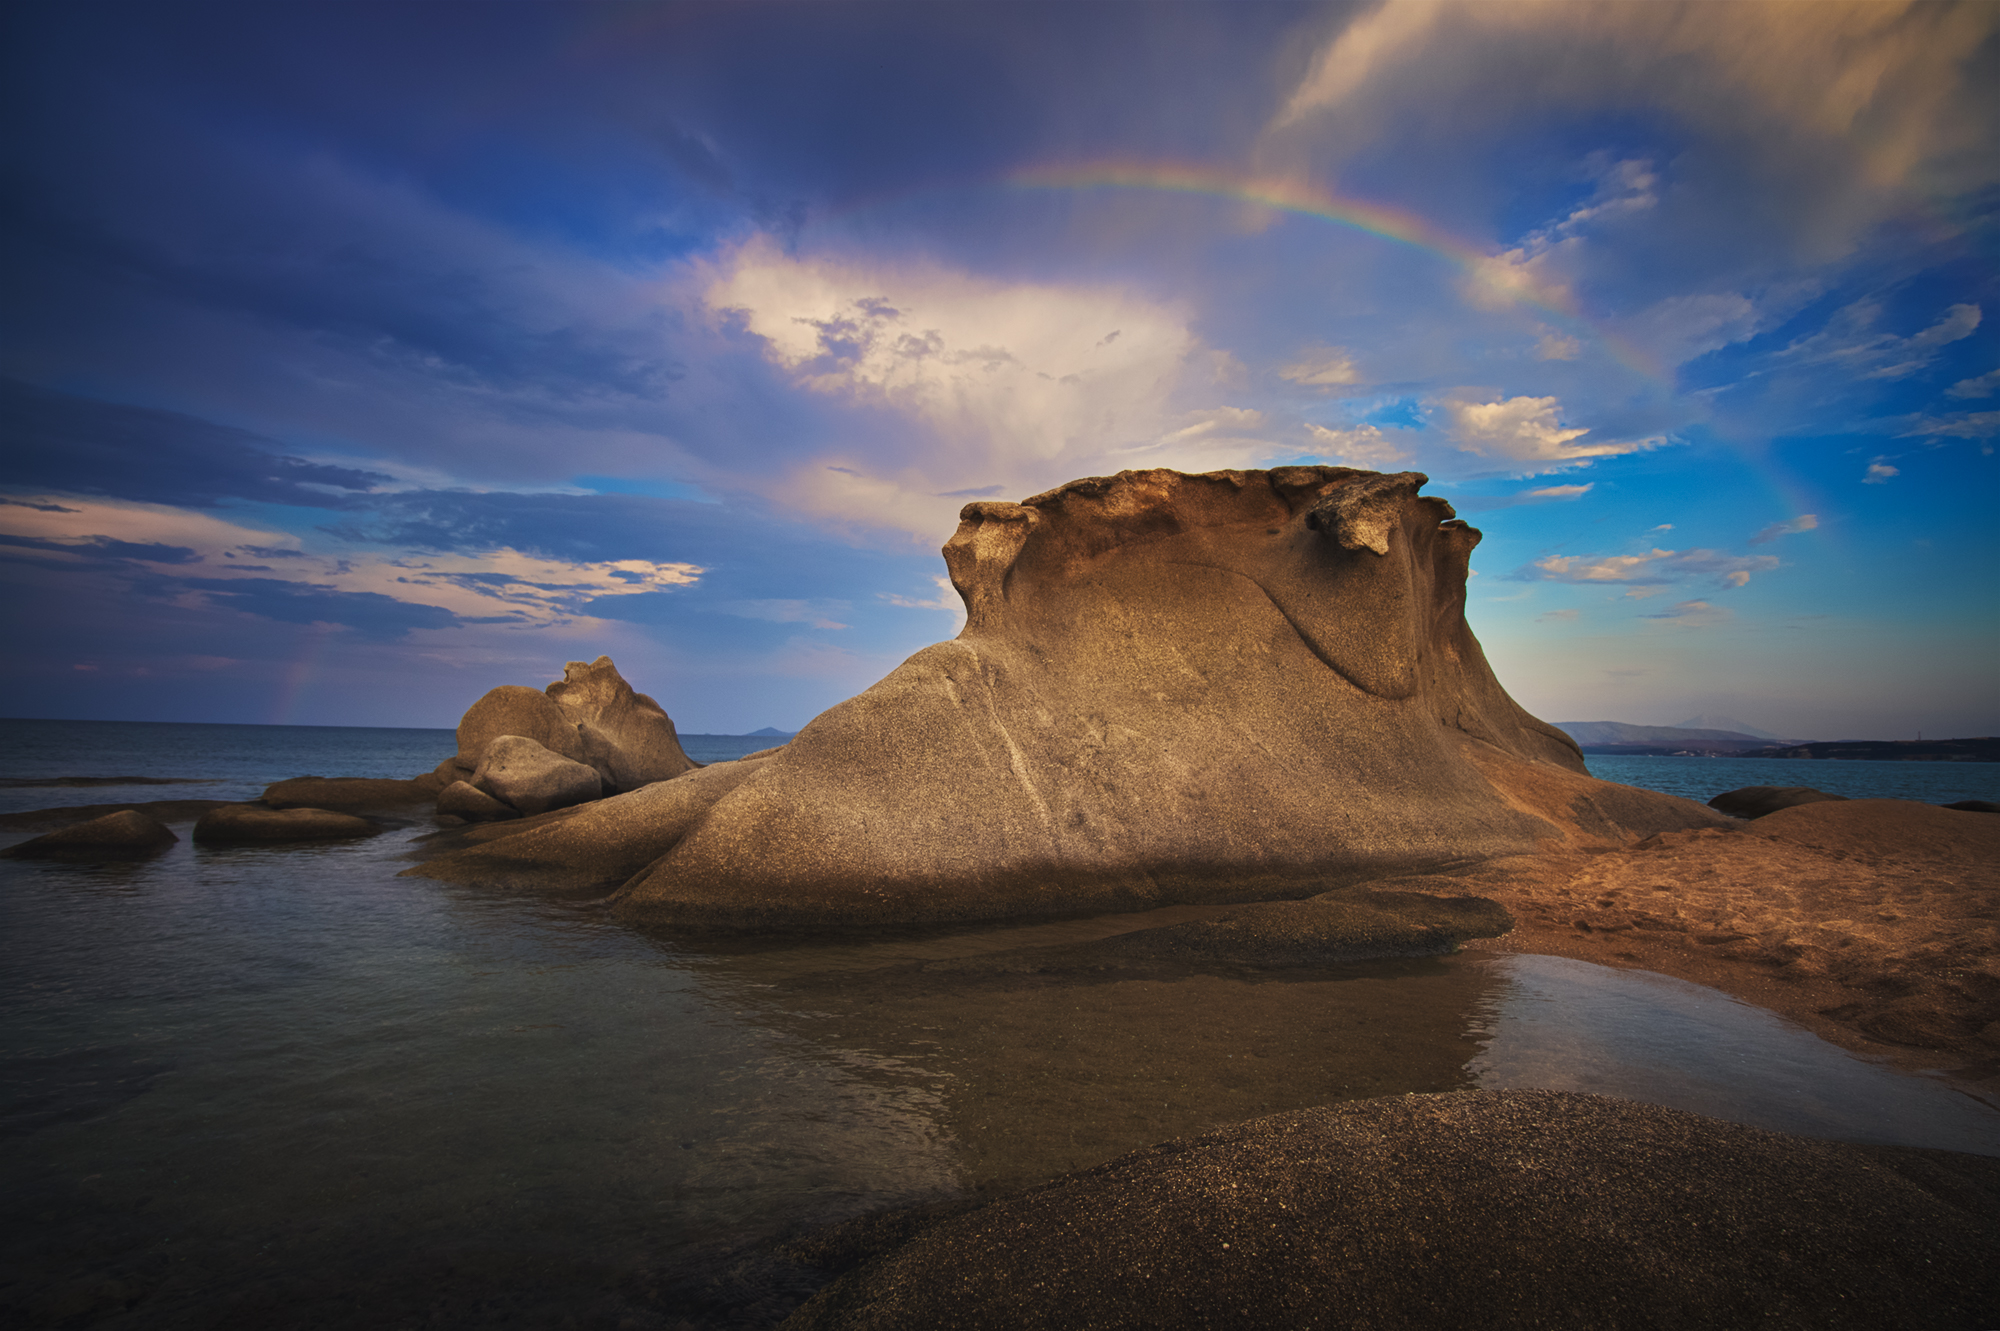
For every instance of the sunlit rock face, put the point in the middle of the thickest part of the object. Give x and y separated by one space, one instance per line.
589 716
1170 688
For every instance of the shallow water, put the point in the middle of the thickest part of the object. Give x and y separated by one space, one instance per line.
247 1085
282 1086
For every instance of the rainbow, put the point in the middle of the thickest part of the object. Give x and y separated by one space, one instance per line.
1303 200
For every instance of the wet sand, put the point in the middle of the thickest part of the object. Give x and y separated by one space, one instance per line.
1874 923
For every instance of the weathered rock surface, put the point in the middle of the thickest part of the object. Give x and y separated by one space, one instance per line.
232 823
351 792
1757 801
1506 1209
127 830
590 715
462 799
519 772
1170 688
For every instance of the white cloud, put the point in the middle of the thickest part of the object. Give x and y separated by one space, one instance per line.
1879 473
1850 343
1357 446
1792 526
1680 328
505 583
1559 616
1983 385
1557 346
1560 491
1974 425
1322 367
1529 429
1694 615
1015 384
1656 566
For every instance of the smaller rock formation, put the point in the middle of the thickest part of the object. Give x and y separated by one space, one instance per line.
590 715
519 772
462 799
240 823
1475 1208
1757 801
127 831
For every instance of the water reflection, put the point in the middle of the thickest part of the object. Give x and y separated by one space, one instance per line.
1572 1026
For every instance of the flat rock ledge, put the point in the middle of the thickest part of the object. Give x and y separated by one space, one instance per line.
1500 1209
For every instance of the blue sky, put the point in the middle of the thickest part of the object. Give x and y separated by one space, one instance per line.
359 357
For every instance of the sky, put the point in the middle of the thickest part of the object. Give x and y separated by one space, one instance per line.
359 357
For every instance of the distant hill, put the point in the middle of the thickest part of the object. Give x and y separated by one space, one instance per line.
1710 721
774 733
1623 733
1984 749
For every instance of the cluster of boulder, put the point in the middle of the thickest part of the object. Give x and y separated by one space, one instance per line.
524 751
521 752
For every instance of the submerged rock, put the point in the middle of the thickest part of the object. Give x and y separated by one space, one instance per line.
1476 1208
254 823
1757 801
127 830
1170 688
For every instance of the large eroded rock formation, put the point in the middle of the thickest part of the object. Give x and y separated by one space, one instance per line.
1223 687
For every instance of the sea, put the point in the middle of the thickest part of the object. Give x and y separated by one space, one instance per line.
284 1087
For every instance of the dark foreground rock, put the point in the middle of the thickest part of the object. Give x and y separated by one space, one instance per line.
127 831
1233 687
68 815
238 823
1757 801
1497 1209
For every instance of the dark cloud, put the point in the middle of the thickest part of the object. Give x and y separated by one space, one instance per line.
107 548
76 445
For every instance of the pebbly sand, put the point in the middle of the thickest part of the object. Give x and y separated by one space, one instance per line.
1874 923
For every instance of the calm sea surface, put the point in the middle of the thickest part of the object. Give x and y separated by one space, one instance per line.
256 1087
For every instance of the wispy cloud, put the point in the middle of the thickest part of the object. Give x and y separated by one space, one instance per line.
1322 367
1694 615
1789 527
1880 473
1654 566
1981 385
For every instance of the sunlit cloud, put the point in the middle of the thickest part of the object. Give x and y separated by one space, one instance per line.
1529 430
1792 526
1880 473
1357 446
1018 385
500 585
